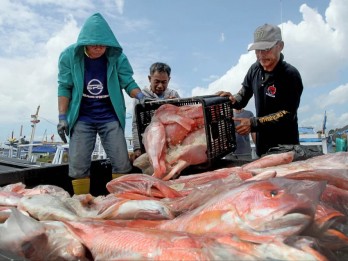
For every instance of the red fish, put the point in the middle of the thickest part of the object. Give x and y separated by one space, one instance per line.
155 146
336 198
192 151
109 242
336 177
175 133
271 160
255 211
167 113
143 185
335 162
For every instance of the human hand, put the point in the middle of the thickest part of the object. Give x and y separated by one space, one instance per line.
142 98
227 94
136 153
243 125
63 127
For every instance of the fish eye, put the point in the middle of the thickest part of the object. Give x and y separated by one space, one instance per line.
273 193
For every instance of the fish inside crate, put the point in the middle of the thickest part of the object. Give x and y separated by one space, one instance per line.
218 124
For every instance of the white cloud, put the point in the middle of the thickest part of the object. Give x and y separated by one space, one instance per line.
33 79
334 97
119 5
232 80
211 78
222 37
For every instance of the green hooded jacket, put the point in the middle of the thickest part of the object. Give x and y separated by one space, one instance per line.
95 31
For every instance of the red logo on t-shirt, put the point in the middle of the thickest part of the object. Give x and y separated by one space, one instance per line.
271 91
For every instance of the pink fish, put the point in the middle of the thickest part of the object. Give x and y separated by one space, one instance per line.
194 111
271 160
336 198
110 242
175 133
255 211
336 177
35 240
155 146
192 151
9 198
335 162
143 185
167 114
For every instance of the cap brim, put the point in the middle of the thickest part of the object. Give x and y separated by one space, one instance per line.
262 45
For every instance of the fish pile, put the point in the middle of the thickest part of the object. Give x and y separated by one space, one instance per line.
270 209
174 140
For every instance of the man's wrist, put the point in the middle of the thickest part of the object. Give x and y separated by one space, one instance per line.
139 95
62 117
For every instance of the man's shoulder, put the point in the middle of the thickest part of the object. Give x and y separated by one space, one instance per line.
289 68
254 69
148 93
68 51
172 92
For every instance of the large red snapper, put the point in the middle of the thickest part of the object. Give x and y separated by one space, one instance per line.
336 163
255 211
337 177
111 242
271 160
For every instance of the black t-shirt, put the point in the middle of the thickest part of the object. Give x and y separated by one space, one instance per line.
277 97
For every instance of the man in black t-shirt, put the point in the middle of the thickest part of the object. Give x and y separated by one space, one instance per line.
277 88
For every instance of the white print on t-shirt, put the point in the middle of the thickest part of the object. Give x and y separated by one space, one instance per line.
95 87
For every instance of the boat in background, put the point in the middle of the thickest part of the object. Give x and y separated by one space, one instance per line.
308 137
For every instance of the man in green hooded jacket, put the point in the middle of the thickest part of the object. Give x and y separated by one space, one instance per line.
93 72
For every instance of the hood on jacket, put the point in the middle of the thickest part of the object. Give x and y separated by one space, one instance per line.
96 31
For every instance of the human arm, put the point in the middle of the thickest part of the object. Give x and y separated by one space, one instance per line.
63 104
226 94
253 137
136 93
63 126
244 125
240 99
280 109
64 94
125 76
136 142
254 124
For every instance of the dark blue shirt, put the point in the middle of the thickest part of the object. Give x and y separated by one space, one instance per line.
96 105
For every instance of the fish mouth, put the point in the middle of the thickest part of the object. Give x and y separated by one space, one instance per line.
293 220
291 224
288 224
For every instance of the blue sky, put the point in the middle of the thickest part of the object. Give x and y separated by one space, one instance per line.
205 43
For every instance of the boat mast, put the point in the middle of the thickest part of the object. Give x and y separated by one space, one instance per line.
34 121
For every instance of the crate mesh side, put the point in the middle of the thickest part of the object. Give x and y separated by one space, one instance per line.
219 125
221 137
